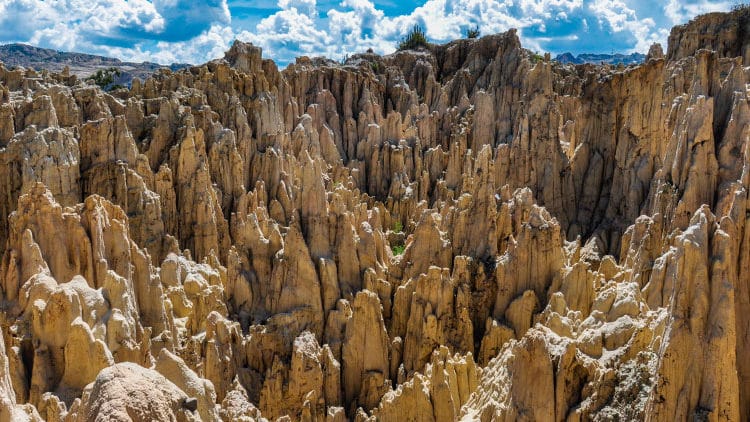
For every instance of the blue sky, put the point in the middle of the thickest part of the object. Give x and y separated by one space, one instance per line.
167 31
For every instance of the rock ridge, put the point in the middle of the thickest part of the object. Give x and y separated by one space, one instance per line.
462 232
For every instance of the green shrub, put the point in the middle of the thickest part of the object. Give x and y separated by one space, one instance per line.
398 227
473 32
398 249
105 78
416 38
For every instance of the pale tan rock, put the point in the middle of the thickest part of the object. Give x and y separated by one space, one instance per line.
655 52
129 392
298 390
495 336
7 123
40 113
84 356
701 300
533 256
174 369
437 312
332 241
237 407
50 156
520 312
525 360
9 409
715 31
436 395
364 354
429 244
222 356
52 408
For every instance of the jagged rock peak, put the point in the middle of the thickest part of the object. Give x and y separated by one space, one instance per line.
725 33
244 57
468 231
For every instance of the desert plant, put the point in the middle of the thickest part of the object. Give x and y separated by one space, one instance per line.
416 38
105 78
398 249
473 32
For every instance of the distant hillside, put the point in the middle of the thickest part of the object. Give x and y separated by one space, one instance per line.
635 58
81 65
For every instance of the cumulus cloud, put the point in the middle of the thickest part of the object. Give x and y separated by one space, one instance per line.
356 25
186 19
131 26
306 7
189 31
680 11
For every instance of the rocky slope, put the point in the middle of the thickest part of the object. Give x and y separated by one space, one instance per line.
460 233
78 64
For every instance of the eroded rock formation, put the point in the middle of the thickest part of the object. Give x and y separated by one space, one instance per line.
464 231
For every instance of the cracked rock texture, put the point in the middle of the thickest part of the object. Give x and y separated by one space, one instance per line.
459 232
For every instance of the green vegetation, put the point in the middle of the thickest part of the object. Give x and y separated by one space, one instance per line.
536 57
415 39
398 249
473 32
377 67
105 78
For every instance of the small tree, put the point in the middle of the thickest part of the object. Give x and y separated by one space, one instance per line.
414 39
473 32
105 78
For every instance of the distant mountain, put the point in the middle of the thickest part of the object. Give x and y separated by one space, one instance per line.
81 65
635 58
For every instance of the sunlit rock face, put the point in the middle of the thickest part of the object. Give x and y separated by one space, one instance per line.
465 231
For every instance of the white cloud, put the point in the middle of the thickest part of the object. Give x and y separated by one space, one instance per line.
357 25
189 31
680 11
546 25
543 8
100 26
289 31
306 7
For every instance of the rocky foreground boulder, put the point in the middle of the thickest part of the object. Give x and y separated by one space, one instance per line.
461 232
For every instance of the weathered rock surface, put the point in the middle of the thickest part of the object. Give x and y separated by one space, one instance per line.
129 392
459 232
